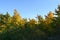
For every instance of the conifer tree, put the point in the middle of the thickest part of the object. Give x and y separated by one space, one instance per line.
57 21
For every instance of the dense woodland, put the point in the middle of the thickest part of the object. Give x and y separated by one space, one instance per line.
17 28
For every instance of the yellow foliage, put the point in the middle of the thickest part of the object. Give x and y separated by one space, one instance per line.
32 22
2 28
49 18
17 19
50 15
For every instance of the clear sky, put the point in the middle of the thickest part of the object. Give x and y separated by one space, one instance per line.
28 8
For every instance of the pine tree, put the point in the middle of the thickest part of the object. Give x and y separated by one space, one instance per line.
57 20
56 23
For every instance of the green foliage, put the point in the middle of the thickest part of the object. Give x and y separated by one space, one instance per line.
17 28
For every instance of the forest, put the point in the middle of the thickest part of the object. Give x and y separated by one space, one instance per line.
17 28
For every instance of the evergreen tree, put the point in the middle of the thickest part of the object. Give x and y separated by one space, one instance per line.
57 20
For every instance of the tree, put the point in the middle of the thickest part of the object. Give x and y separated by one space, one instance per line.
32 23
39 19
16 19
57 20
48 18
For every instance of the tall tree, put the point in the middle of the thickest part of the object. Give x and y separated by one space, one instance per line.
17 18
57 20
49 17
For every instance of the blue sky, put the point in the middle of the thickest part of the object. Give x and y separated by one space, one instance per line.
28 8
